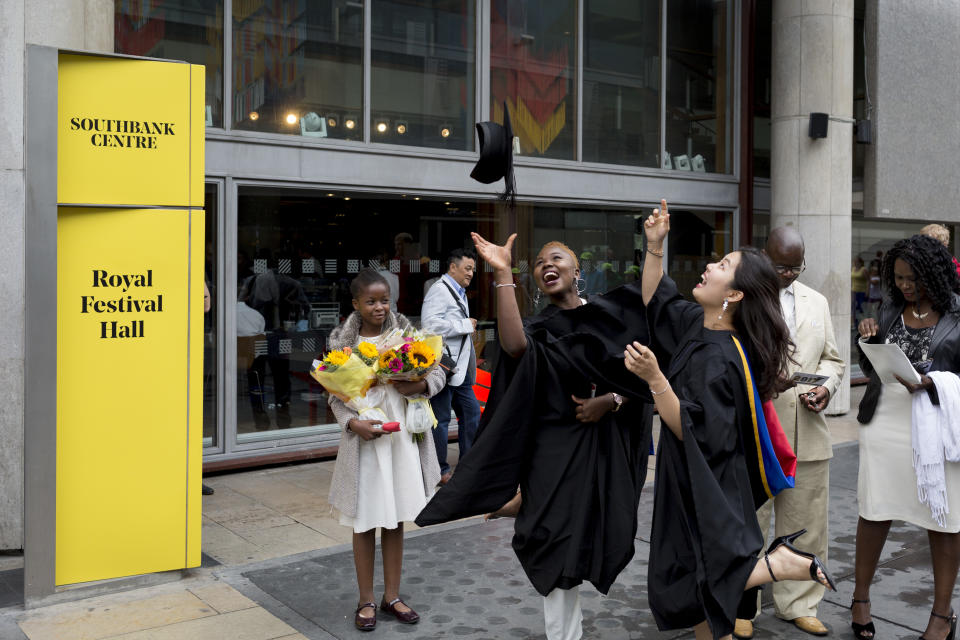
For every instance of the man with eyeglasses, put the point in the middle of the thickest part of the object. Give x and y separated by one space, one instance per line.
800 410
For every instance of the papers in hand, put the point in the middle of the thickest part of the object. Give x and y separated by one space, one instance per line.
888 361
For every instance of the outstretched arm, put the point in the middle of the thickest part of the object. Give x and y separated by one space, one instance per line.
656 228
510 324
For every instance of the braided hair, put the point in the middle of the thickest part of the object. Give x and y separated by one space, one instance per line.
933 266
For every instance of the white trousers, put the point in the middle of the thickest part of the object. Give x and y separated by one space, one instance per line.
562 615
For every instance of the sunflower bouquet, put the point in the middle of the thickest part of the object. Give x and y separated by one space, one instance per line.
410 356
346 375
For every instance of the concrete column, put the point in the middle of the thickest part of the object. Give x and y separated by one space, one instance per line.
72 24
811 179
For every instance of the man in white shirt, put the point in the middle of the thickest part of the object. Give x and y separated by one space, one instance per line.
801 414
446 312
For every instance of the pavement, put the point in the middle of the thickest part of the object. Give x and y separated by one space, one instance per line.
278 566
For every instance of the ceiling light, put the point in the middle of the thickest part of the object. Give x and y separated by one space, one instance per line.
346 197
401 127
382 127
254 116
417 198
291 118
350 122
445 132
329 195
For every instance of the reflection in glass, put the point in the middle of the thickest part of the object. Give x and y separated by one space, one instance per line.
532 56
423 82
621 82
190 30
696 239
210 319
298 251
297 67
699 86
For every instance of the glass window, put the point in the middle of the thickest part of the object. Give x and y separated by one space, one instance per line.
190 30
210 320
298 67
699 86
696 239
621 82
423 72
532 56
298 251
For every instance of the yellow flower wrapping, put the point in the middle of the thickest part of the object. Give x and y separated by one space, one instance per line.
352 379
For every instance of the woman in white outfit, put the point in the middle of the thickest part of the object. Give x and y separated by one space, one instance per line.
921 314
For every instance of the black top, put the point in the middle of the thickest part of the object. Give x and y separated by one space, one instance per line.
580 482
705 536
943 353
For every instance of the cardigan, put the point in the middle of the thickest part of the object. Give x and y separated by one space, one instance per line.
944 350
346 471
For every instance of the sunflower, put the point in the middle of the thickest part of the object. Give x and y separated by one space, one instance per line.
367 350
421 356
385 358
336 358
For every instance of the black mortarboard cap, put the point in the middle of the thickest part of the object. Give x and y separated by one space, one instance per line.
496 153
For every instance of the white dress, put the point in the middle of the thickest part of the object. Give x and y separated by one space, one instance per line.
390 484
887 483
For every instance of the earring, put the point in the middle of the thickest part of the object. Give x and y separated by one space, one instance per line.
581 289
725 305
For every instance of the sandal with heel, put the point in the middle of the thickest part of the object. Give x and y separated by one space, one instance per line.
861 631
817 568
952 619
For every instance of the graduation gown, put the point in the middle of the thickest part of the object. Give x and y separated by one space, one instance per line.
705 536
580 482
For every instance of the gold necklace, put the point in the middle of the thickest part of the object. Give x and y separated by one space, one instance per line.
918 316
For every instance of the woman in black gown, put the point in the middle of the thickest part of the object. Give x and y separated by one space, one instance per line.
580 461
705 537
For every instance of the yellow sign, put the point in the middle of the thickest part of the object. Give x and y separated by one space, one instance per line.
129 317
128 133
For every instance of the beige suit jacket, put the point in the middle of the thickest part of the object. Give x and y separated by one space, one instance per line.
816 353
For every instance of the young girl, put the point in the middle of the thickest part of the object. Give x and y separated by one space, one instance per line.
380 479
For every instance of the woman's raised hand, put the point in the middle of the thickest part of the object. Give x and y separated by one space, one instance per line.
498 257
657 225
641 362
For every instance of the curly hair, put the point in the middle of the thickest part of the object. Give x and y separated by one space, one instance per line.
933 266
758 320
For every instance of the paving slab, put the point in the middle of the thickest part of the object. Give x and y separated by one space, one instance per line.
467 583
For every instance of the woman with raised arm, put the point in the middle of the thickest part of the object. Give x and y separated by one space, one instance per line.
709 482
579 457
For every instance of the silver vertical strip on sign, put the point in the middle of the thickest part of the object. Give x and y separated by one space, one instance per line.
40 345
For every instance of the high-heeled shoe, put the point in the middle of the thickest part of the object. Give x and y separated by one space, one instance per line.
861 630
817 568
952 618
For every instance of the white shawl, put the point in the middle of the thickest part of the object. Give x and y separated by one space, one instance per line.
936 439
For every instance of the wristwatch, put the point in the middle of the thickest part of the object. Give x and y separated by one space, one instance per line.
617 401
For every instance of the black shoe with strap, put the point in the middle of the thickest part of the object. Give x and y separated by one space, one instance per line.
952 619
818 572
862 631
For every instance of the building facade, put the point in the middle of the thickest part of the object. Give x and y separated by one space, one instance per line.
340 135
